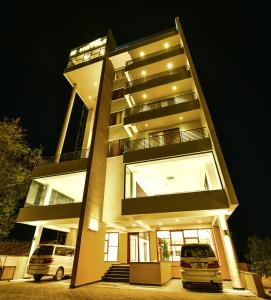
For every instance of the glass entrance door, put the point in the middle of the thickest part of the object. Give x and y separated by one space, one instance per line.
138 247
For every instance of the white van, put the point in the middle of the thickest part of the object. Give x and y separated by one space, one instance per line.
51 260
200 265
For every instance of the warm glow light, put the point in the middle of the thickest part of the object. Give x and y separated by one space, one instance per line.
169 66
174 88
166 45
86 56
134 225
89 97
93 224
160 224
181 118
199 221
177 220
95 83
143 73
102 51
144 96
146 125
141 53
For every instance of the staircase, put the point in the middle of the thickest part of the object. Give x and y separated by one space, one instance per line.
117 273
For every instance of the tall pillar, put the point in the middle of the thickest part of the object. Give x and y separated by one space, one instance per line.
153 246
230 253
65 125
88 133
71 237
35 243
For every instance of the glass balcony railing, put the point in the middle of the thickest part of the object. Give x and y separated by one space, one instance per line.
166 138
84 153
184 71
160 104
155 54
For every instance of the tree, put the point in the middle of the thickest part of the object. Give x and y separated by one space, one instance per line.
166 254
259 254
16 162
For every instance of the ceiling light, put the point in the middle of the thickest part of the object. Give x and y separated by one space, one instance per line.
181 118
95 83
141 53
134 225
146 125
177 220
144 96
199 221
89 97
143 73
160 224
169 66
174 88
166 45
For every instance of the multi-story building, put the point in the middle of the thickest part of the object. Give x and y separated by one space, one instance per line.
148 174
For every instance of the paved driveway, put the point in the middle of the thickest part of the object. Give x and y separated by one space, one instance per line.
48 289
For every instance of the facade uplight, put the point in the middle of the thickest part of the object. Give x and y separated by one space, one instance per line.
166 45
144 96
142 53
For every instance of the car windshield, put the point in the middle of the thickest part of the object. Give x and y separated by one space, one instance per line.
44 250
197 251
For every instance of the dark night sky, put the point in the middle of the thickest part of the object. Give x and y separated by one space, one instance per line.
230 48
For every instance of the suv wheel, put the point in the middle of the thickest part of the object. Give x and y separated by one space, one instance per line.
37 277
59 274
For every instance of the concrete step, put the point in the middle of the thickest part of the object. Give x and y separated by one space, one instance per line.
115 279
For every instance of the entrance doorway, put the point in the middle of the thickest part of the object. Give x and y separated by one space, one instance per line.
138 247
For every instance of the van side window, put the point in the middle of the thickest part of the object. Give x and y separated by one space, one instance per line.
69 252
60 251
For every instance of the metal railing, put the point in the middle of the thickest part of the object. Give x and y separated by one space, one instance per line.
160 104
84 153
145 57
184 70
166 138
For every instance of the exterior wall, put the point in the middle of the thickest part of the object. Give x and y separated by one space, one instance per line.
20 262
221 254
71 237
89 263
114 188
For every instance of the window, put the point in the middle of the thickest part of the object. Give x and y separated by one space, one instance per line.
111 246
61 251
116 147
169 243
119 74
117 94
116 118
69 252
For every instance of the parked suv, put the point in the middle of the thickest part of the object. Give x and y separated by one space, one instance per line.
52 260
199 265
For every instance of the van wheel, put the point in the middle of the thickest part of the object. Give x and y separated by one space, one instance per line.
59 274
185 285
37 277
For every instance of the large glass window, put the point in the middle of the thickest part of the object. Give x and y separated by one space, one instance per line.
169 242
185 174
111 245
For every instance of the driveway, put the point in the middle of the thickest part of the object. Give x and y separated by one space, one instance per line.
48 289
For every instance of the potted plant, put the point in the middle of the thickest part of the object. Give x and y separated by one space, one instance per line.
166 254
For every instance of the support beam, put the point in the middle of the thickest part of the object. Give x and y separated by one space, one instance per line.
230 253
65 125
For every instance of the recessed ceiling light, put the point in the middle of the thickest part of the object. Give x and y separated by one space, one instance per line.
89 97
177 220
146 125
169 65
134 225
141 53
181 118
143 73
174 88
160 224
199 221
144 96
95 83
166 45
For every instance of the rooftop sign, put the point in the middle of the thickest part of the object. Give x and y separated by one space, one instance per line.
91 45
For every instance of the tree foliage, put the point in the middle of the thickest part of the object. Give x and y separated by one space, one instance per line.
16 162
259 254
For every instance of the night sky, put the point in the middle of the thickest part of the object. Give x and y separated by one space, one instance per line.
229 44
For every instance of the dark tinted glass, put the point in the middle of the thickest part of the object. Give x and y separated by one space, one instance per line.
44 250
197 251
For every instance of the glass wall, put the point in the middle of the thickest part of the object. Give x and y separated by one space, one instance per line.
111 245
193 173
169 242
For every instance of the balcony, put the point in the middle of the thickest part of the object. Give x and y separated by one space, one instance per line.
161 108
165 144
157 79
153 57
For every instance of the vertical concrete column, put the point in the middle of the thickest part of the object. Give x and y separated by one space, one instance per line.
35 243
230 253
153 246
65 125
47 196
71 237
88 133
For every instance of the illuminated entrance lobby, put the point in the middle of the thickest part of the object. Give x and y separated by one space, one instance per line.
147 174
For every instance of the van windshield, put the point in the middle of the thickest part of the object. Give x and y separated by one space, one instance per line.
197 251
44 250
